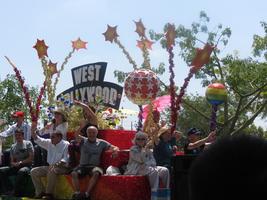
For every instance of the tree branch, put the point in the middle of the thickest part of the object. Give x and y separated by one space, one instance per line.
219 66
255 91
250 121
235 117
245 107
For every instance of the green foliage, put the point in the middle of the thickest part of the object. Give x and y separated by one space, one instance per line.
260 43
120 75
12 98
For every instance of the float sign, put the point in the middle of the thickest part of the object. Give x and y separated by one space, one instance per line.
88 82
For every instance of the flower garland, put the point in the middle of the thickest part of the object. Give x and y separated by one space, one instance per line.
170 37
33 112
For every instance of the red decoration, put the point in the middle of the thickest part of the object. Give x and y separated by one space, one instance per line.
33 112
202 56
111 33
52 68
79 44
140 28
141 86
117 187
170 36
144 44
41 48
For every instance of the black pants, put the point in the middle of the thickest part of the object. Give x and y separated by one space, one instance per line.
20 179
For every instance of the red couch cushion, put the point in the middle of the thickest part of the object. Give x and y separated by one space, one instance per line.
107 159
120 138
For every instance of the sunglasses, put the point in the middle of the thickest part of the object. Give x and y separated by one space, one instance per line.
141 139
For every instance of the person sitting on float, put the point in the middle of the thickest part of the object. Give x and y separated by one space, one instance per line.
91 150
59 123
194 144
57 159
21 156
90 119
163 148
21 123
142 162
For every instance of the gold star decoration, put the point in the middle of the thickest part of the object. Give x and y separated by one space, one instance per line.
202 56
52 68
78 44
140 28
41 48
144 44
111 33
170 35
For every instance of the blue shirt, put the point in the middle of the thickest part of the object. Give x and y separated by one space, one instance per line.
163 153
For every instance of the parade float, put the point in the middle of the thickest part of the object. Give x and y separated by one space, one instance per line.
141 87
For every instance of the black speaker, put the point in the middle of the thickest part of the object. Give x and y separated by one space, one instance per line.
180 168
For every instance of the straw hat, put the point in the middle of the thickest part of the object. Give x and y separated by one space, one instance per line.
163 130
61 112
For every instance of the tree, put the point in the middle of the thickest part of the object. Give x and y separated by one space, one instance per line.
245 79
12 98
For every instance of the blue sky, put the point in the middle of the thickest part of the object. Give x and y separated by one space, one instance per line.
59 22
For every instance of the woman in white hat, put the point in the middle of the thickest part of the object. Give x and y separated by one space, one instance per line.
142 162
58 123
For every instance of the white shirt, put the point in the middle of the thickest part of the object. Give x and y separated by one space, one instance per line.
63 128
11 131
55 153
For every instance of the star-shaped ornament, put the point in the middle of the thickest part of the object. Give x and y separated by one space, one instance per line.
202 56
111 33
52 68
170 36
140 28
144 44
41 48
78 44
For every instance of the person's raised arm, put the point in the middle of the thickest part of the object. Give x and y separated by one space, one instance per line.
77 135
44 143
202 141
115 150
89 112
9 131
34 130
